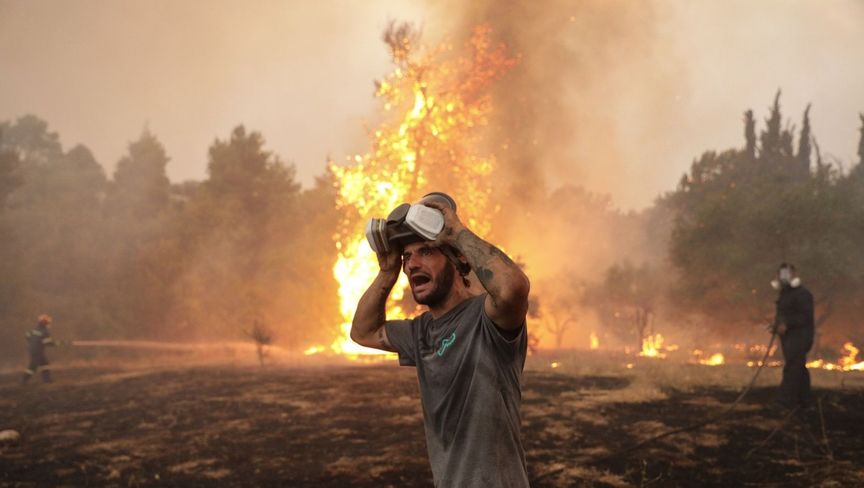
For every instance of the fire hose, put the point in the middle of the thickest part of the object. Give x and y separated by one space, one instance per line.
715 418
710 420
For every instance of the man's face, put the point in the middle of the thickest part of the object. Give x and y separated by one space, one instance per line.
429 272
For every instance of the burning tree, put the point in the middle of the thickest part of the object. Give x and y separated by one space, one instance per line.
436 104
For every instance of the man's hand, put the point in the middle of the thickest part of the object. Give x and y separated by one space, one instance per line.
452 224
390 262
506 284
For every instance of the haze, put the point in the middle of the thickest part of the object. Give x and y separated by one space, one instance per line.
667 80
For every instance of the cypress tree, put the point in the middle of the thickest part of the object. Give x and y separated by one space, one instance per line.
804 147
771 137
750 133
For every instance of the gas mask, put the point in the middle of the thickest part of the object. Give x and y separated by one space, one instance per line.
785 277
408 223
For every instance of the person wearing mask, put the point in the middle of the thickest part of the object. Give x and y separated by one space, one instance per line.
468 349
794 324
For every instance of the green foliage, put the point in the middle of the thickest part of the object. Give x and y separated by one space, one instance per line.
140 189
738 217
136 256
30 137
9 178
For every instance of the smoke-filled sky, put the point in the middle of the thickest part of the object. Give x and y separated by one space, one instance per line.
645 87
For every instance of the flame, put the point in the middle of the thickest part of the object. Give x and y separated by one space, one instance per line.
595 342
847 362
652 346
314 350
438 106
716 359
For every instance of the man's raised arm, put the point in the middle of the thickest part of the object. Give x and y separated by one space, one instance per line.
506 284
367 328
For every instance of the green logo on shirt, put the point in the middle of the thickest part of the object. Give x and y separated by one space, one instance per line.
446 343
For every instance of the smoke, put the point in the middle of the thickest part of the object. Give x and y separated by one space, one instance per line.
588 71
562 124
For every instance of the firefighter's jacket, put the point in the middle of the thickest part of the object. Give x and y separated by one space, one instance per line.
38 339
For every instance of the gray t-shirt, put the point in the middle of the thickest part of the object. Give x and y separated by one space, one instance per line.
469 376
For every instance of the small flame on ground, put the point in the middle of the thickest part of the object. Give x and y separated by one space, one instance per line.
652 346
716 359
847 362
595 342
555 364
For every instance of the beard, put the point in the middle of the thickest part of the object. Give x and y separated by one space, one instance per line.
443 284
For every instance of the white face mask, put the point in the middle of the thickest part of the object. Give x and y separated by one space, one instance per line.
785 275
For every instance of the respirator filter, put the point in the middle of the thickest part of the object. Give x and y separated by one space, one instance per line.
408 223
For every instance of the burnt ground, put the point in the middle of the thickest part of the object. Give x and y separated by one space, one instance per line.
361 426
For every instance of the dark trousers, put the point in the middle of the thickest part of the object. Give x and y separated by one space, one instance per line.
37 361
795 388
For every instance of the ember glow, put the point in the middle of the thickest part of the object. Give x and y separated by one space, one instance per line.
595 342
715 359
652 347
436 105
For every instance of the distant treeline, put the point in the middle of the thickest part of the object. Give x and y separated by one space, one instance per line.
136 256
736 215
133 255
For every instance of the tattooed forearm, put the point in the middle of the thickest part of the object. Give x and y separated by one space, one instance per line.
486 277
497 252
480 253
506 284
495 270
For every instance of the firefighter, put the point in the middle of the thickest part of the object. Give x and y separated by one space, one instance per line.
37 340
794 324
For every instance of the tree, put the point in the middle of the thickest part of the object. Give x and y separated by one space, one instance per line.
627 300
750 134
738 218
9 178
29 135
54 222
804 148
562 297
232 238
142 254
140 189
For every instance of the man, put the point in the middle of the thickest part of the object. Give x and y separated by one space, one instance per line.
795 325
37 340
469 350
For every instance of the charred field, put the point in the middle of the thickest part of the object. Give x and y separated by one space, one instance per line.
360 425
